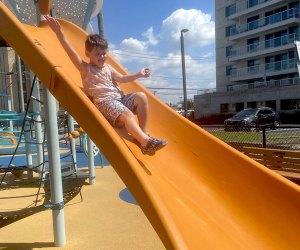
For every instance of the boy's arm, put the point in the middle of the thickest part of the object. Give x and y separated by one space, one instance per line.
75 58
130 77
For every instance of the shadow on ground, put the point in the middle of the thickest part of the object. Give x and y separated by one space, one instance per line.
71 186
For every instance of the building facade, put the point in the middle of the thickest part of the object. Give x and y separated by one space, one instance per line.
256 57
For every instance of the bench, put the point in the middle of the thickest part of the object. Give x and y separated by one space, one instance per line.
284 162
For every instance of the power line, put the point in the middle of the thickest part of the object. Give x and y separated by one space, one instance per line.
147 56
178 78
166 88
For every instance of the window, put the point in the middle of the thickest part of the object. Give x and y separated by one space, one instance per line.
224 107
268 17
280 38
251 105
293 9
230 10
269 42
271 104
293 34
268 112
292 54
252 3
253 66
278 61
294 5
230 30
239 106
229 51
269 63
253 22
290 104
261 112
253 44
230 70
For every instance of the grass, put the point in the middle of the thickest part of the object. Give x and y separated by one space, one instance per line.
241 136
272 136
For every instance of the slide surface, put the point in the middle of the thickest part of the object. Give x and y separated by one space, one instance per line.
198 192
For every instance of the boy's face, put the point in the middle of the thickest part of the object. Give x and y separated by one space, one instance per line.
97 56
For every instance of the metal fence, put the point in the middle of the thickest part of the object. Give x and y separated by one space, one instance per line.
283 137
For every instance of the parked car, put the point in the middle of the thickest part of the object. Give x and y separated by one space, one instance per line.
253 119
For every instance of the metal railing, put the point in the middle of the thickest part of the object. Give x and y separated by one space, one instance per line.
283 137
241 6
268 20
262 46
263 69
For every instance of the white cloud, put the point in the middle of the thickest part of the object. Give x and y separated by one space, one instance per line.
151 40
133 45
161 52
200 25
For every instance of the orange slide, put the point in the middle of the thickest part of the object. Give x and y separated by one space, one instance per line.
198 192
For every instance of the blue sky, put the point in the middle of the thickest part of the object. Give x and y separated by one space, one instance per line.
147 34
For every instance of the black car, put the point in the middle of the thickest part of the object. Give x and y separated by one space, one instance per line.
253 119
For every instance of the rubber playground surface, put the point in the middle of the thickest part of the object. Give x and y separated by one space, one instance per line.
108 217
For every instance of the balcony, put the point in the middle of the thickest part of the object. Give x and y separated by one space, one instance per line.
264 70
268 23
260 84
266 47
248 7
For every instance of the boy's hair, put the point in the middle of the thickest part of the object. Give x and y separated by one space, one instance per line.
95 40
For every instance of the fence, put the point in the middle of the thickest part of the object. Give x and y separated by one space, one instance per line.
283 137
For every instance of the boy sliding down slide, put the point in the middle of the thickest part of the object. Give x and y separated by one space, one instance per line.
99 83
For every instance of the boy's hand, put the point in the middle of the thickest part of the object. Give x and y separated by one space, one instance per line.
53 24
145 72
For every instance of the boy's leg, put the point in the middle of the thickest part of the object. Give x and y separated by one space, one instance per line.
119 115
140 107
138 103
127 118
141 104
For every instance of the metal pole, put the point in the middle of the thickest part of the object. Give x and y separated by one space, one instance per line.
9 104
100 24
55 171
72 141
38 126
264 137
91 161
88 13
20 82
57 202
28 149
183 70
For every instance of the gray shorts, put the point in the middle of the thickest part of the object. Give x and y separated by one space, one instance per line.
112 109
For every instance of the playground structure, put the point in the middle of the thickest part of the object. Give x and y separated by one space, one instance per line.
196 192
80 12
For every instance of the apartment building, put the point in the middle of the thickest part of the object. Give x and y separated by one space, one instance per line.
256 57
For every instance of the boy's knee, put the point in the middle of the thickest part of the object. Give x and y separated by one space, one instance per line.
126 114
141 97
122 118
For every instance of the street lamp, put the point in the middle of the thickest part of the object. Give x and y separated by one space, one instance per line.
183 70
